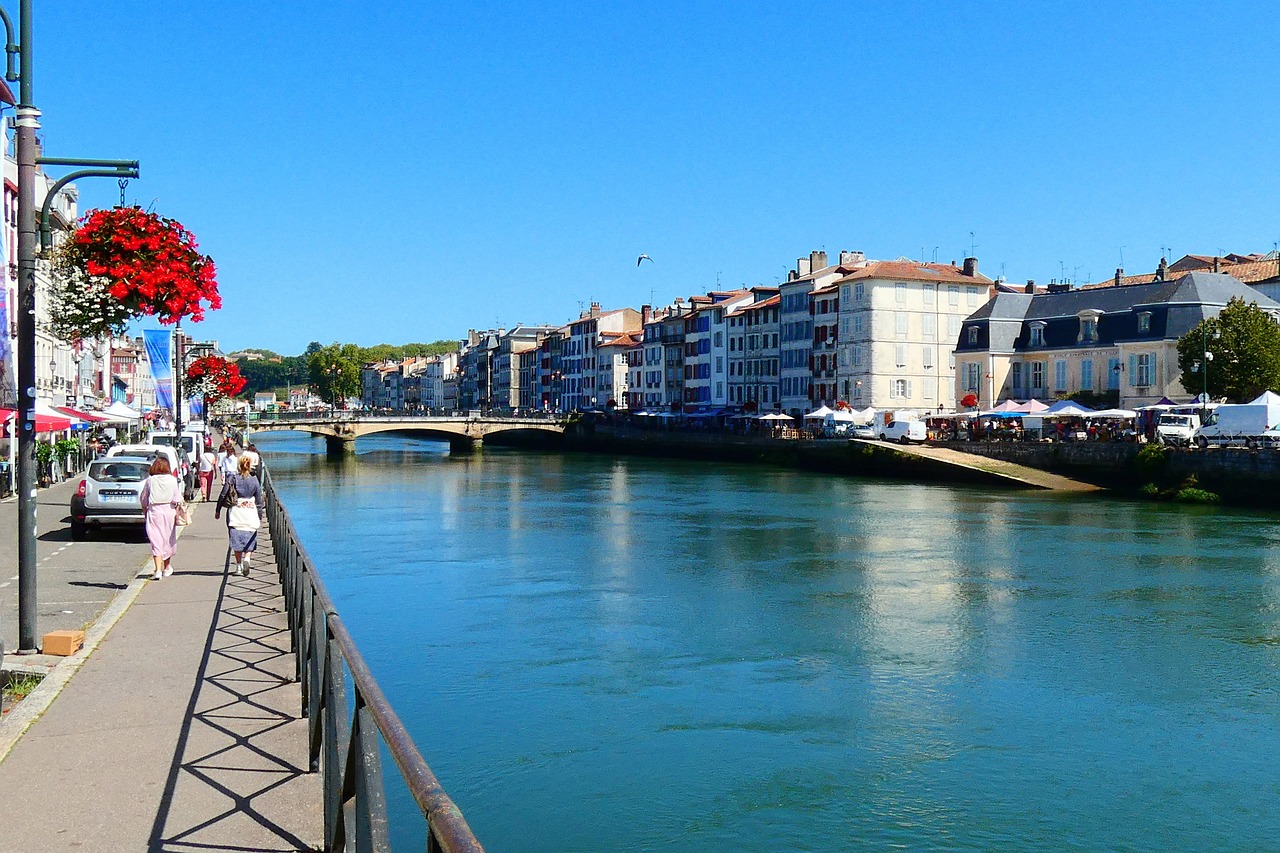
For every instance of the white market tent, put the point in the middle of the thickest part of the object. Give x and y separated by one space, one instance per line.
775 416
844 416
120 413
1066 409
820 413
1114 413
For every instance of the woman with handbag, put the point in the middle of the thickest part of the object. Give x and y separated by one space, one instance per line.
161 499
241 497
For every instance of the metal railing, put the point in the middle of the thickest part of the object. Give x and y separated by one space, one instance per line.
346 731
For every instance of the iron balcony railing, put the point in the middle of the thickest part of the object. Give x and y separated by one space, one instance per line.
345 730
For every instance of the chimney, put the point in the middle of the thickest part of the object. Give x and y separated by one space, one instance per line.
1217 264
595 309
971 267
851 258
802 267
817 261
646 314
1119 275
1031 287
1162 269
793 275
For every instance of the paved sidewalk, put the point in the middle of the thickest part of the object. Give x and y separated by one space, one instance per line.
181 730
75 580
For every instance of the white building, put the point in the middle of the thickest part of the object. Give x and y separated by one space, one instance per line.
899 321
613 370
581 354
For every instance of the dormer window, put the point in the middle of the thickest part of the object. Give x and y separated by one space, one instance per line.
973 335
1037 334
1088 326
1144 322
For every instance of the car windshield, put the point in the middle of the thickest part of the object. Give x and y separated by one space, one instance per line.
1175 420
118 472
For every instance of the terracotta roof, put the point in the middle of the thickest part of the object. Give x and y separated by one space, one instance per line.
620 339
912 271
1248 272
772 300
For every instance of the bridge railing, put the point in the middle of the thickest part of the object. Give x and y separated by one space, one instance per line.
346 731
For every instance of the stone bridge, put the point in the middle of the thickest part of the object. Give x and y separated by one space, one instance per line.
464 433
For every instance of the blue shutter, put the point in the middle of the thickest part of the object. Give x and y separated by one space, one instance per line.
1133 369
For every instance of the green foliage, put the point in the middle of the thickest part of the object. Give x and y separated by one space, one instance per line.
270 375
1244 341
275 372
335 372
1151 460
1193 495
44 453
19 685
64 447
382 352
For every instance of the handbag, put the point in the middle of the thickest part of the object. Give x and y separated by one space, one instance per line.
183 516
229 494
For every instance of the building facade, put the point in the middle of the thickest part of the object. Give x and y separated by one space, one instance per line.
1066 342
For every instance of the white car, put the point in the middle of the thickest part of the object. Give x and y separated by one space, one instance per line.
903 432
147 451
865 431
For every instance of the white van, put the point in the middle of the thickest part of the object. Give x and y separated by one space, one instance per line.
192 441
903 432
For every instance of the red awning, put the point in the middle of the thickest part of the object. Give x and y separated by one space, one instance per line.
84 416
44 423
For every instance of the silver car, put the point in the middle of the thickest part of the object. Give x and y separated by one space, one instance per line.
109 494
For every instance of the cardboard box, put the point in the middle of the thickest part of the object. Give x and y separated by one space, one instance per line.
62 643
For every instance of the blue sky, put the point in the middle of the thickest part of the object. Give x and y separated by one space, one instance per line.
387 172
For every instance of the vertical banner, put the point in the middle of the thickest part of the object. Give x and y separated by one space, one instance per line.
8 370
195 408
158 342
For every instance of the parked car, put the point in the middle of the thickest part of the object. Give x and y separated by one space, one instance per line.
1250 424
147 451
903 432
865 431
110 494
1177 429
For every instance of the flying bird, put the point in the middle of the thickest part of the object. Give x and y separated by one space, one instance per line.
643 258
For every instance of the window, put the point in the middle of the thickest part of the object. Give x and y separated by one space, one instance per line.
900 355
900 324
1145 364
719 389
953 328
930 294
953 294
1059 376
1144 322
1088 328
972 296
973 335
857 355
926 357
929 326
719 339
1037 376
901 389
857 291
1037 335
1086 375
972 376
719 364
931 388
900 291
857 324
1015 373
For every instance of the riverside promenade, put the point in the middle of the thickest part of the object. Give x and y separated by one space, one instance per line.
177 728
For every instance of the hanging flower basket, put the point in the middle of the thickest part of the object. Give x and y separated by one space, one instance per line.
215 378
123 263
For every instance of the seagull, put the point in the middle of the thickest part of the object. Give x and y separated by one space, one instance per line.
643 258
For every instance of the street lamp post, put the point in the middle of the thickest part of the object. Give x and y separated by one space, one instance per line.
26 124
1206 357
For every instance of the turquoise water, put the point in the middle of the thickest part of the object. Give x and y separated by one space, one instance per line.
598 654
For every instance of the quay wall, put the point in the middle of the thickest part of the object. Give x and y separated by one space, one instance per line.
1238 475
832 456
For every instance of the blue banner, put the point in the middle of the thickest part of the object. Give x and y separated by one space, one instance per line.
158 342
195 407
8 371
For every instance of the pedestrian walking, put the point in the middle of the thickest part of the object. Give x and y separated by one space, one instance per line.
208 463
227 460
161 495
255 461
242 515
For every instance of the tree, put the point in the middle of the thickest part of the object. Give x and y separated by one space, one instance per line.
1244 342
335 372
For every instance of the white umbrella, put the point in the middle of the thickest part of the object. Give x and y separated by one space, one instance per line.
120 412
775 416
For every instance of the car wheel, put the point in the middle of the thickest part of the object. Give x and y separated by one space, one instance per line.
1251 443
1202 442
884 437
903 440
79 531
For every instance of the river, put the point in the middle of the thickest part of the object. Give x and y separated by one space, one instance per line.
599 654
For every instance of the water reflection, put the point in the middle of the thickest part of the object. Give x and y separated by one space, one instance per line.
637 654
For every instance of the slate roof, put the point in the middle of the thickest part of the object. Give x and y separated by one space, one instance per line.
1176 307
